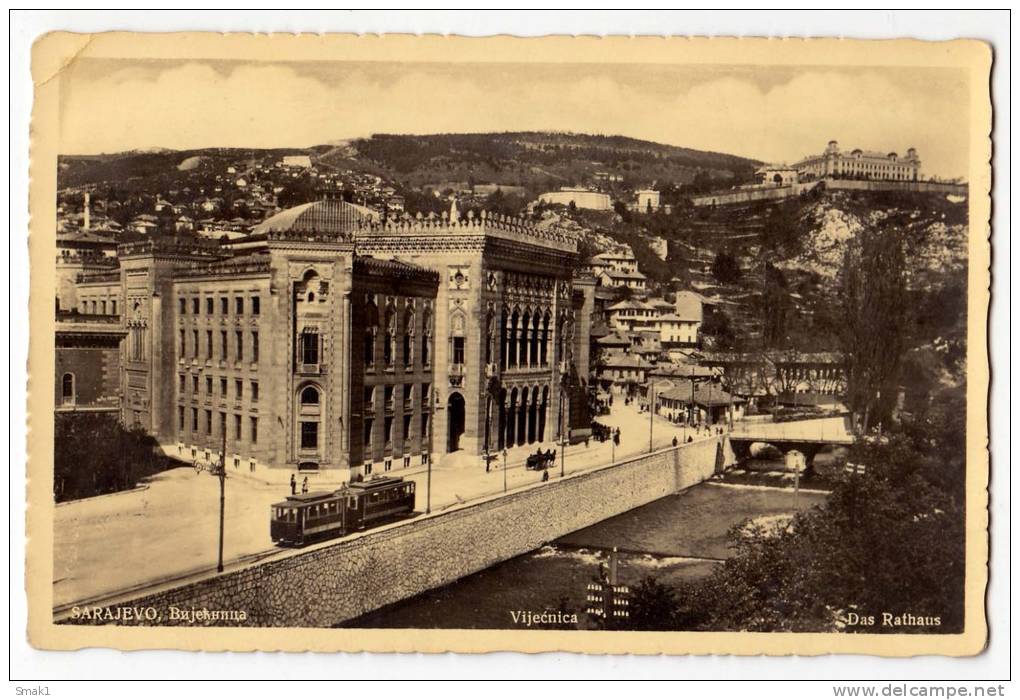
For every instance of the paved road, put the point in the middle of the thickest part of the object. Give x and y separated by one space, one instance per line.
114 542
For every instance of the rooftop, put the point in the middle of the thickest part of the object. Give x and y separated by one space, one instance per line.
618 274
327 216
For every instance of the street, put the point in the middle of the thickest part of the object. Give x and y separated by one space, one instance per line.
170 528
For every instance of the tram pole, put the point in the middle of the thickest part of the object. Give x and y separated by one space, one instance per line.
428 478
651 417
223 479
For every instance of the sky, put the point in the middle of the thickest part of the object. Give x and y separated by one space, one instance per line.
766 113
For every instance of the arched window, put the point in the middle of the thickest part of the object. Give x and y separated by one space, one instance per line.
458 327
522 353
512 345
371 325
309 396
536 323
489 337
504 350
388 339
545 340
67 389
409 335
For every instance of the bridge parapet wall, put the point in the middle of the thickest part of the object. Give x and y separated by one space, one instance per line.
333 582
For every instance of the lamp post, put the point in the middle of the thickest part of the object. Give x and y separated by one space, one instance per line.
504 470
222 474
651 417
564 386
428 477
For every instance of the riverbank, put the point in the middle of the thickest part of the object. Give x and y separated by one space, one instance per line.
674 538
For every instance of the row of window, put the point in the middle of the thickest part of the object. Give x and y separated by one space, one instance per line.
193 350
387 436
224 384
205 425
93 307
388 391
254 305
389 348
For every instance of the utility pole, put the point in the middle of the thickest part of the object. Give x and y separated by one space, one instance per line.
223 478
710 416
428 477
563 437
504 470
651 417
690 410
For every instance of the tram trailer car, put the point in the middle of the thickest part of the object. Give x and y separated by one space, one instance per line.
322 515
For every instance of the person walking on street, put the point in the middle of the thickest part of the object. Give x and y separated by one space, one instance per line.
545 475
293 485
304 485
674 441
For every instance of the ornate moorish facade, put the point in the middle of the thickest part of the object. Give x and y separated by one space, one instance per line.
510 361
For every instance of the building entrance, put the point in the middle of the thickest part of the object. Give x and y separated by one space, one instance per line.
455 421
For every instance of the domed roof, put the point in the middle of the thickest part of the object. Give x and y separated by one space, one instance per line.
325 216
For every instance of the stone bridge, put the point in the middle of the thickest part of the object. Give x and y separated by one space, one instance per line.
804 436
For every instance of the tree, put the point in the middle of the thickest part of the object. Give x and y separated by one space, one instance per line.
775 307
888 540
94 454
621 209
873 302
653 607
725 268
717 326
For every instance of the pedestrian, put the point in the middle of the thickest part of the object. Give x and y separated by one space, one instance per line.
545 475
304 485
674 441
690 438
293 485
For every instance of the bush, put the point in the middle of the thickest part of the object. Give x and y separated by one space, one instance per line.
94 454
889 540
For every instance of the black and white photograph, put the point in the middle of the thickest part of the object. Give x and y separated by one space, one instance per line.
386 344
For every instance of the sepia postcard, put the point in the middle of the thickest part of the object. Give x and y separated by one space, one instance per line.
422 344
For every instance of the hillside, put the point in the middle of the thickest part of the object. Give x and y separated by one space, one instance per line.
537 161
772 267
161 166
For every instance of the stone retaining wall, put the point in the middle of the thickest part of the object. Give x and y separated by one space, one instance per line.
759 194
332 582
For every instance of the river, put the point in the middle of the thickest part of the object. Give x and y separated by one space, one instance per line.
674 538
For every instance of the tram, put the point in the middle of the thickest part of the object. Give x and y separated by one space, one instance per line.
322 515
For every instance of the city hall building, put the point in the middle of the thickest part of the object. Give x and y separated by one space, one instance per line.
325 341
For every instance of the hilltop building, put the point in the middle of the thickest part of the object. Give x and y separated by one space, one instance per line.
582 198
776 175
297 161
647 199
859 164
621 260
